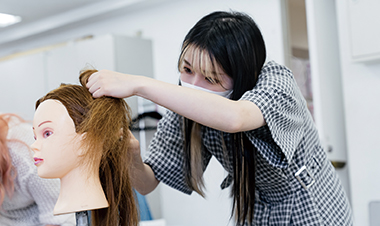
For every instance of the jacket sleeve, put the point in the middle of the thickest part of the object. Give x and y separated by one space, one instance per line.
284 109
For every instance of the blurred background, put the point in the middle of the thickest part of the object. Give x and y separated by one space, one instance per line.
332 46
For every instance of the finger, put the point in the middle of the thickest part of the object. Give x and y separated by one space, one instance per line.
92 89
92 79
97 93
93 85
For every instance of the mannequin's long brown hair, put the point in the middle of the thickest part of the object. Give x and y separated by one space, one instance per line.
105 123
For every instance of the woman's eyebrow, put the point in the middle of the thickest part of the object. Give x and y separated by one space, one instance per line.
187 62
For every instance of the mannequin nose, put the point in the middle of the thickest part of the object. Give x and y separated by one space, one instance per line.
34 147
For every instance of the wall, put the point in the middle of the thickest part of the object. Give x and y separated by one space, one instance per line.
361 82
166 25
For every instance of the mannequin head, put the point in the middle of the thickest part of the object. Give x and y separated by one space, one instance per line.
72 130
57 146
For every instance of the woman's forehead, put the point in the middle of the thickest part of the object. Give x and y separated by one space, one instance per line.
200 60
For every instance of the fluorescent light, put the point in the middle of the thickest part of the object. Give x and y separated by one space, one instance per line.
7 19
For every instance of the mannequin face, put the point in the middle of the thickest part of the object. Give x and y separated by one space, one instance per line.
56 149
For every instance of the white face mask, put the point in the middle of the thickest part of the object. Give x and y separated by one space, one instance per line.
225 94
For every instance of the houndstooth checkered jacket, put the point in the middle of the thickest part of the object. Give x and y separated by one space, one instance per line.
295 183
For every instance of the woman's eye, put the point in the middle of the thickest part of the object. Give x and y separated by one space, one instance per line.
211 80
47 134
187 70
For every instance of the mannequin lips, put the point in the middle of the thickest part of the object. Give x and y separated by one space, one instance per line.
37 161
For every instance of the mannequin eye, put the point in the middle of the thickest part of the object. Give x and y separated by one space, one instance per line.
47 133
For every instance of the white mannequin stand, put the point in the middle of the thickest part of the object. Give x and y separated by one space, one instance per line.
80 191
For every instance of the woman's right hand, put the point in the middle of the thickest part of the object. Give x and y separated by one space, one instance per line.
111 83
134 148
142 176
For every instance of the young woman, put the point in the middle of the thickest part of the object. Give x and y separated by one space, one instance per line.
25 198
84 142
250 115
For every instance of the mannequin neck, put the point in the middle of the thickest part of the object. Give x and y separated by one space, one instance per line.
80 191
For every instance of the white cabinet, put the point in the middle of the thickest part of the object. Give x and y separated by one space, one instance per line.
22 82
116 53
27 78
364 24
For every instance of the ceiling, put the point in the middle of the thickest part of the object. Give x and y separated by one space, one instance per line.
35 10
38 9
39 16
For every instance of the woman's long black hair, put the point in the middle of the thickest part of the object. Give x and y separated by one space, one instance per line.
235 43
